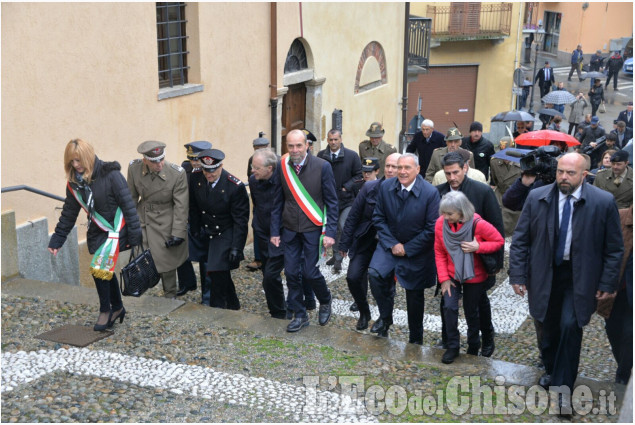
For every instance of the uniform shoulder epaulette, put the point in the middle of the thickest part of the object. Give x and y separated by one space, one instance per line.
234 179
436 149
602 171
135 161
177 167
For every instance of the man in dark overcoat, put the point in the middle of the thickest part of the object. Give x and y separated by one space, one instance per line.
406 211
197 247
424 143
219 210
566 254
304 219
545 79
347 170
483 198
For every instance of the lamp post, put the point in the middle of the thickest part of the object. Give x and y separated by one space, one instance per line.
540 33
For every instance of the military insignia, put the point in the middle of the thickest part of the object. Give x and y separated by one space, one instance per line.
157 151
368 162
234 179
177 167
135 161
190 151
453 132
207 160
375 127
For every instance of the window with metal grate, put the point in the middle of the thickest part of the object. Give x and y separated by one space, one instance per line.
172 44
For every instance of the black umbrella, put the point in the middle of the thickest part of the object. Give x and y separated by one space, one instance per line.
550 112
513 116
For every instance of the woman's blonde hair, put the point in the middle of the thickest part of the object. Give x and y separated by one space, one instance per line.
84 151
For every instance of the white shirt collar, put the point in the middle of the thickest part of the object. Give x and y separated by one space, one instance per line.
410 186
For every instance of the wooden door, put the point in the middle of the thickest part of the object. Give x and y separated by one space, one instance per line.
293 112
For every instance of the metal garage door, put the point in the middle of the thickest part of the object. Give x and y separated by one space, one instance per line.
448 95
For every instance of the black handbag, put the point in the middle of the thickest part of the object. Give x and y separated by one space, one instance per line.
493 262
140 274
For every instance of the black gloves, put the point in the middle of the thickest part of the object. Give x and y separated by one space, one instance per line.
235 256
173 241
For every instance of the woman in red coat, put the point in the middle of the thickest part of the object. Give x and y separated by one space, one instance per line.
458 269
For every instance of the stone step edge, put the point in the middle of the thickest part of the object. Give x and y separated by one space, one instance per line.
361 343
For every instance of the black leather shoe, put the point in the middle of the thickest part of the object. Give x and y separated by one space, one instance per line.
354 307
379 323
449 355
488 345
362 323
383 331
330 261
324 314
297 324
184 291
337 266
473 349
545 381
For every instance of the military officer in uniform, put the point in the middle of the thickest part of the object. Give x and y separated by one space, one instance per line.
618 179
159 190
197 247
376 147
219 211
453 143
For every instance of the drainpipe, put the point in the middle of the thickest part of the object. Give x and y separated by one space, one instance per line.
273 71
518 42
404 98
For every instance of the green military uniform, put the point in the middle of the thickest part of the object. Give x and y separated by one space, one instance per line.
162 201
502 175
623 192
381 151
435 162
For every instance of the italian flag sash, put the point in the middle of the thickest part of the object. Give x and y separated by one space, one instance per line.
303 198
103 263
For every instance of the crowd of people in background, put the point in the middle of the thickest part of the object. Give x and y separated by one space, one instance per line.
434 215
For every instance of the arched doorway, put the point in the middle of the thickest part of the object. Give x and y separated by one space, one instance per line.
300 100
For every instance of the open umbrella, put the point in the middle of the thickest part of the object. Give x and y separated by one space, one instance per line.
545 137
559 97
550 112
594 74
513 116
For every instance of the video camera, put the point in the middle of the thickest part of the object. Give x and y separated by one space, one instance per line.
588 149
541 162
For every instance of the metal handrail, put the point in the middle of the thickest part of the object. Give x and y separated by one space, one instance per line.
32 189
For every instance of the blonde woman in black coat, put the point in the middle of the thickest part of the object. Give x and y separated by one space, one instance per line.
100 189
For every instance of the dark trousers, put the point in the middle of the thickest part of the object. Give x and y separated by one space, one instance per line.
472 296
619 330
573 128
608 79
271 280
301 252
575 67
415 303
594 107
109 295
383 291
484 316
561 335
544 90
357 278
340 227
186 275
257 252
223 292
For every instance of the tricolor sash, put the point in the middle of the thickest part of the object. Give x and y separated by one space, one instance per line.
303 198
103 263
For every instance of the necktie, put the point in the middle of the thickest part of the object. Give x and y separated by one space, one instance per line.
564 227
333 156
403 194
297 167
617 180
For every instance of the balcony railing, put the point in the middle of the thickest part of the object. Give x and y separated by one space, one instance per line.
470 21
419 48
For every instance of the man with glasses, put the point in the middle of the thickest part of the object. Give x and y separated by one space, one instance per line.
159 190
219 211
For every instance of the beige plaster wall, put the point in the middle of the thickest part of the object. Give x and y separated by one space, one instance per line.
593 27
338 35
496 64
89 70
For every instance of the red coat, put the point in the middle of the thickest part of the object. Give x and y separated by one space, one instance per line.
489 239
